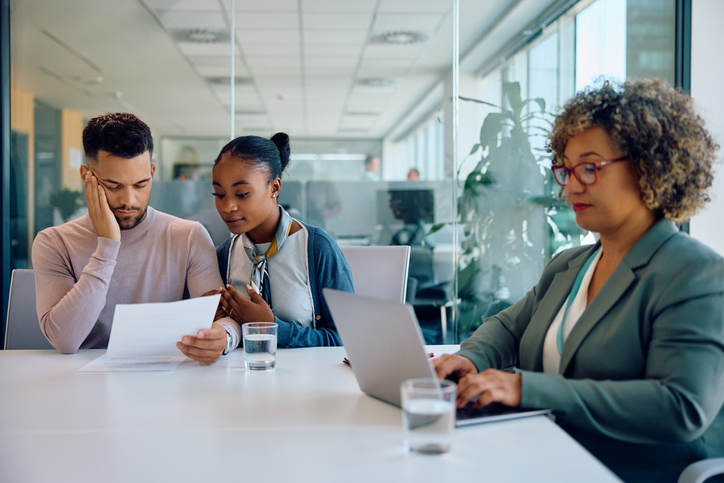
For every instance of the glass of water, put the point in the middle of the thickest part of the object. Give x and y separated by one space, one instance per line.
260 345
428 414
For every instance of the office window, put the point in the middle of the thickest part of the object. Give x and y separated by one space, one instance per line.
515 200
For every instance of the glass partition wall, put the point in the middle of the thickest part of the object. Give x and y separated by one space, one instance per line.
344 79
412 122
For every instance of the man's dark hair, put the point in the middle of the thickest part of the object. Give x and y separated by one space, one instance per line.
120 134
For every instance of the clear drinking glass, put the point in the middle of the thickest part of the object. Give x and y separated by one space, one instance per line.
260 345
428 414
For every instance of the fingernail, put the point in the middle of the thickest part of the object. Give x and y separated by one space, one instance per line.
185 340
200 335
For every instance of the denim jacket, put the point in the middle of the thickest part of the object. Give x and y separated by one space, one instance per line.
327 269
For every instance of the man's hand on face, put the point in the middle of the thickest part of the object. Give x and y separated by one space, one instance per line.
100 213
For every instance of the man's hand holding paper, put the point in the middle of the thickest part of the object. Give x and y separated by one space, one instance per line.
148 334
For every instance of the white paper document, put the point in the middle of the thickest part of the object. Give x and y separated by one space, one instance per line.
144 336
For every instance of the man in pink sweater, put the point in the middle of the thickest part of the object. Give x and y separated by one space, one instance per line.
122 251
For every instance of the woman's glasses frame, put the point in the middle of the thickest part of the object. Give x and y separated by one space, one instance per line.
562 174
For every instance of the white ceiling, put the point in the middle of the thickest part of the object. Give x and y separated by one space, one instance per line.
312 68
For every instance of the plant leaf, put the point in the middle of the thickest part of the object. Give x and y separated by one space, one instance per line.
491 128
475 148
435 229
538 100
478 101
512 92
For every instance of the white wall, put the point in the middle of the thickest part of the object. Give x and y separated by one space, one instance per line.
707 72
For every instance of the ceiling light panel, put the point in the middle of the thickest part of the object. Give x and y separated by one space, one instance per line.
347 6
192 20
332 21
267 21
267 37
262 5
414 23
376 86
414 6
213 62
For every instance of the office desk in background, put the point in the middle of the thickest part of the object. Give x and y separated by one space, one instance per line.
304 421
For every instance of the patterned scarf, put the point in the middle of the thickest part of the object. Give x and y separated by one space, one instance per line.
260 272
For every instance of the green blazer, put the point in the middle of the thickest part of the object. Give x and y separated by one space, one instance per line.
641 380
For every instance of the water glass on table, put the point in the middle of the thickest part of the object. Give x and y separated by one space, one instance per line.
260 345
428 414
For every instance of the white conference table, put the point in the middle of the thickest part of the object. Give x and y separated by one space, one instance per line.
304 421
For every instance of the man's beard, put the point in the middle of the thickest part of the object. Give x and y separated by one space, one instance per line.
130 223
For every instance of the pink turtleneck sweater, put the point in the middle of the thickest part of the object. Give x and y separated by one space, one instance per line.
80 277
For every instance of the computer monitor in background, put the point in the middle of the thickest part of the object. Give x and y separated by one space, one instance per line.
404 206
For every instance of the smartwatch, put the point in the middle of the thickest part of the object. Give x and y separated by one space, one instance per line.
229 343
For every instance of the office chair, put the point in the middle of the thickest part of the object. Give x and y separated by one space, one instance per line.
23 329
379 271
702 470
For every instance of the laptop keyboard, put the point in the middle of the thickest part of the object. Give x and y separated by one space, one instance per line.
492 409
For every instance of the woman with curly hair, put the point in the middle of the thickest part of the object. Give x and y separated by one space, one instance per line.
623 340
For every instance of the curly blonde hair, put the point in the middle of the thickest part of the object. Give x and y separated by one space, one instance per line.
660 132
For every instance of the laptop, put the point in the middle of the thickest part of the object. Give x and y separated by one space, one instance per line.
385 347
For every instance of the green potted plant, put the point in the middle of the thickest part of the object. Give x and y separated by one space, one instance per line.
500 208
67 202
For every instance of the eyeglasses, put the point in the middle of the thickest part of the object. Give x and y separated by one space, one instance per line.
585 173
